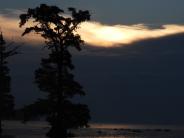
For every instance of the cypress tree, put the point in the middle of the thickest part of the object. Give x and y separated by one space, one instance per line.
54 76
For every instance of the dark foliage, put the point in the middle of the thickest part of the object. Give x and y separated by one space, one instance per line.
6 99
55 73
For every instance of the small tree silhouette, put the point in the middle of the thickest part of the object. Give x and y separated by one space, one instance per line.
55 74
6 99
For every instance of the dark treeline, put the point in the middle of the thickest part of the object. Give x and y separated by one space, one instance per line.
54 76
6 99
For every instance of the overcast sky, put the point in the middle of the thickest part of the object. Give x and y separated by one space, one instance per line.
140 82
116 11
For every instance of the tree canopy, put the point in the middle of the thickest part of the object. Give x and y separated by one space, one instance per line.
54 76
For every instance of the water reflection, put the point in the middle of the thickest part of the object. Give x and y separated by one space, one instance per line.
38 130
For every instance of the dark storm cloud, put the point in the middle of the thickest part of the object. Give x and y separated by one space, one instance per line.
145 79
140 83
156 60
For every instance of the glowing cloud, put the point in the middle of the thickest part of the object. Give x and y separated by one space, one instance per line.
94 33
107 36
12 32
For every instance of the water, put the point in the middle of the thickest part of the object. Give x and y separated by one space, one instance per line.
15 129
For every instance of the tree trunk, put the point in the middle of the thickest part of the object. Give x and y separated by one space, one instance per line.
57 132
0 127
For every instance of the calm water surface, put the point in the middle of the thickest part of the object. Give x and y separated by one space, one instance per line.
15 129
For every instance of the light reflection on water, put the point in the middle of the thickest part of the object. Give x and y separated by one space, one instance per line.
108 137
38 130
136 126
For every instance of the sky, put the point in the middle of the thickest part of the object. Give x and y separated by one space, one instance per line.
131 66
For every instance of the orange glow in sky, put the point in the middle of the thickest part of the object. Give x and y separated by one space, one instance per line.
97 34
94 33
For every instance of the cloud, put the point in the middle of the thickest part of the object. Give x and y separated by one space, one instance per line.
93 33
97 34
11 31
13 13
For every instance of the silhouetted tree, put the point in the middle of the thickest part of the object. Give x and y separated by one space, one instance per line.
55 74
6 99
